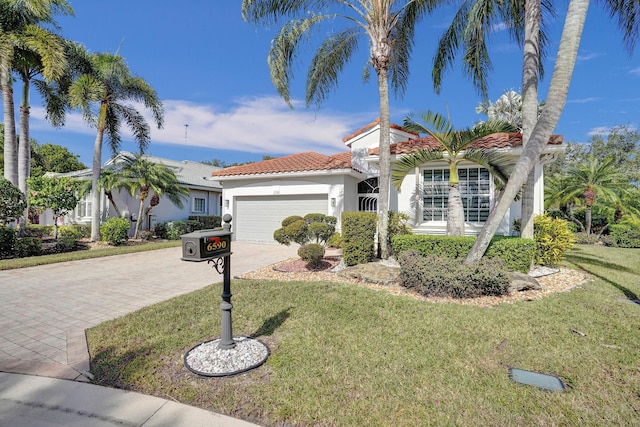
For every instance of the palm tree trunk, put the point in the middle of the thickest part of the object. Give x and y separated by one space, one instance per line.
24 147
96 167
530 68
24 152
587 220
455 212
140 218
113 203
559 87
10 149
385 164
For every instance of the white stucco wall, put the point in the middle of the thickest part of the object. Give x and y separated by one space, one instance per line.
341 190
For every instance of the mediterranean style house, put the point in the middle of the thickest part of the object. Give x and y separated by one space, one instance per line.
205 195
260 195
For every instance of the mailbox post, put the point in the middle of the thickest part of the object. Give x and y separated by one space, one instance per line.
224 356
215 247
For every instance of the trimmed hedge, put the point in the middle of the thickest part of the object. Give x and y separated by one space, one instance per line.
7 241
517 253
450 277
207 222
358 236
28 246
115 231
625 236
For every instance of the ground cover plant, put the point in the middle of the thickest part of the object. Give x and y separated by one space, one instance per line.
342 354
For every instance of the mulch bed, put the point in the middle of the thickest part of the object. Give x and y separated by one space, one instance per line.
296 270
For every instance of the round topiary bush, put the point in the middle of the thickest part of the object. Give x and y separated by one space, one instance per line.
312 253
115 231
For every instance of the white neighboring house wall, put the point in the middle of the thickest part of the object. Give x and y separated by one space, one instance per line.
205 196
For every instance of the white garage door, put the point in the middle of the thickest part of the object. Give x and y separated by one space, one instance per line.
257 217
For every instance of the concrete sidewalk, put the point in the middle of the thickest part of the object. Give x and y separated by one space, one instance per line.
43 402
45 310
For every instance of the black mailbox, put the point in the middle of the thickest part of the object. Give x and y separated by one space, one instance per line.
203 245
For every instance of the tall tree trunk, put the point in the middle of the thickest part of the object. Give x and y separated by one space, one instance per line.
140 218
385 164
455 212
10 146
24 152
530 78
558 89
24 147
96 167
587 220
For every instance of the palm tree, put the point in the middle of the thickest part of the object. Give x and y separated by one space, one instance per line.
144 178
109 85
43 54
558 89
586 183
387 25
19 20
454 147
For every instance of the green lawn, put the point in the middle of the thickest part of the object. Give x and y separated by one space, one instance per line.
348 355
9 264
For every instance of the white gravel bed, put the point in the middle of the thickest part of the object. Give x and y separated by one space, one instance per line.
207 359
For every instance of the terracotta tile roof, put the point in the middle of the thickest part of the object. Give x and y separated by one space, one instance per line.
301 162
496 140
369 126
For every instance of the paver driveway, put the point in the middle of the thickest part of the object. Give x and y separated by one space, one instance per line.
45 310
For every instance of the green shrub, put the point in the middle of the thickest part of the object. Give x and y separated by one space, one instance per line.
320 231
448 277
115 231
161 230
358 236
583 238
517 253
314 227
291 219
312 253
175 229
27 246
70 231
7 241
625 235
65 244
449 246
206 222
553 239
335 241
37 230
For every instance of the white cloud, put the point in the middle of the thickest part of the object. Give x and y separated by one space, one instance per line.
600 130
583 100
256 125
589 56
635 71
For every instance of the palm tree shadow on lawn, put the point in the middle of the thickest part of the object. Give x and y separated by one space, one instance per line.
586 262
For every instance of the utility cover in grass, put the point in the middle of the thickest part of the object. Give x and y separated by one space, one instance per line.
542 381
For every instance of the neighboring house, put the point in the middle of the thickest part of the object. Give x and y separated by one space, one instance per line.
205 195
260 195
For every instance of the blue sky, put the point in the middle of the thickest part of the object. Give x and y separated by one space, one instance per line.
209 68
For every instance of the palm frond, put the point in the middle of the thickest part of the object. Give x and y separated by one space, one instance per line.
283 52
328 62
136 123
408 162
449 44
